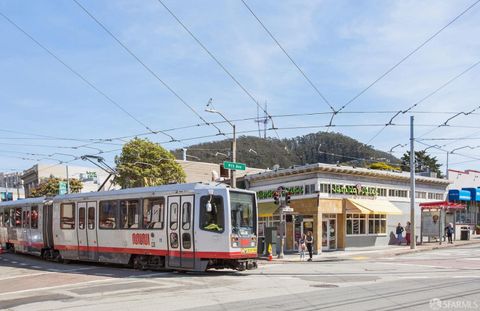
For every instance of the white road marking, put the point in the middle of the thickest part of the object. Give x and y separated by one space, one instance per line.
23 275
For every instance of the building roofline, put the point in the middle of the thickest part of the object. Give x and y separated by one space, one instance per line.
332 168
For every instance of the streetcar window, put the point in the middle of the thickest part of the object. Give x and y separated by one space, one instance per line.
18 217
186 215
212 219
34 219
174 216
91 218
67 216
6 218
26 219
1 219
153 211
108 215
186 241
129 213
81 218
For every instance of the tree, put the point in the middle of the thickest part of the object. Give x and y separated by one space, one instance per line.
51 186
383 166
143 163
423 162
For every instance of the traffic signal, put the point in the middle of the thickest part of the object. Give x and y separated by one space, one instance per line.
287 198
276 197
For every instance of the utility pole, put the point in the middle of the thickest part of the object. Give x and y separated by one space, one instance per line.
413 240
68 180
233 180
234 157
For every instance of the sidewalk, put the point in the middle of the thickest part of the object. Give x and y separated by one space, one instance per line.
369 252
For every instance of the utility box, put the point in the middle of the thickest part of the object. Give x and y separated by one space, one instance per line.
465 233
271 239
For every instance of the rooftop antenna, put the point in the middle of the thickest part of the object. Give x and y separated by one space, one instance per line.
264 120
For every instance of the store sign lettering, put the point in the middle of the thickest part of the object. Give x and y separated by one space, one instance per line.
354 190
268 194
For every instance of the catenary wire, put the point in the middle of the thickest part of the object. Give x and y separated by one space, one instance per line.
154 74
76 73
220 64
289 57
424 99
404 59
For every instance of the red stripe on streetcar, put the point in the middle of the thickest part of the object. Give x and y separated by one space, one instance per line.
161 252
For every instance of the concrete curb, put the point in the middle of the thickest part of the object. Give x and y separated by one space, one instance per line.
367 254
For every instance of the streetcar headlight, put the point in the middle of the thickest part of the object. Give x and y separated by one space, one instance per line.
234 244
252 244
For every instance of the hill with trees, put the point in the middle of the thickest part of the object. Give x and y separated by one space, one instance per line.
307 149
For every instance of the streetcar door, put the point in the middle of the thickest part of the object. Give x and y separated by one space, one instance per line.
92 231
82 231
174 259
187 253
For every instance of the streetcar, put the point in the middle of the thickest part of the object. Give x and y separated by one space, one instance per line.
192 227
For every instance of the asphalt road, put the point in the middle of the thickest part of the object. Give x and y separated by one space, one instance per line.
446 279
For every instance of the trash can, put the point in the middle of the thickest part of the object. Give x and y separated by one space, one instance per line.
465 233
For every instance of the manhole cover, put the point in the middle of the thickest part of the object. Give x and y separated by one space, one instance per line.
324 285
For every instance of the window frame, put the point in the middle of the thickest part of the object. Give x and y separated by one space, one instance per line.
116 215
202 212
62 222
189 219
32 208
120 211
357 217
161 218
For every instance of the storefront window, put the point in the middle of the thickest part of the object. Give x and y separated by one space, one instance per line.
377 224
356 224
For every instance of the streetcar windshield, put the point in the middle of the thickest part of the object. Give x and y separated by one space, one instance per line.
242 213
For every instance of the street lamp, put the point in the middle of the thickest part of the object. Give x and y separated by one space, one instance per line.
233 181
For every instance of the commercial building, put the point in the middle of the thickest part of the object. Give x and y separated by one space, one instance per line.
91 178
207 172
344 207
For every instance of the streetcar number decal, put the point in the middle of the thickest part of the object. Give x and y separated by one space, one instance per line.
141 239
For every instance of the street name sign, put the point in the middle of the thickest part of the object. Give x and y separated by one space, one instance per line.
62 187
234 166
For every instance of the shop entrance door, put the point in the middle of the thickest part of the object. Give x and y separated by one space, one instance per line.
329 234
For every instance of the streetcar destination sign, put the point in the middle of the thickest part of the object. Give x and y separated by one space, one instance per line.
234 166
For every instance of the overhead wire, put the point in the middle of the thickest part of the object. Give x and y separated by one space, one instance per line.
143 64
392 68
76 73
220 64
424 99
289 57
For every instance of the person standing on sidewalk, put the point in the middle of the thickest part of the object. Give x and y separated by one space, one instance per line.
408 231
449 231
309 243
399 232
302 247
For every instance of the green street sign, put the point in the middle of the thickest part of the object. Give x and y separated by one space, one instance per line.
234 166
62 187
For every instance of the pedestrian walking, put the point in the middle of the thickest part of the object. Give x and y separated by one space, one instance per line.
408 231
449 231
309 242
399 232
302 247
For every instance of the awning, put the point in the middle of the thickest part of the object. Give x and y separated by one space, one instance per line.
266 209
372 207
442 205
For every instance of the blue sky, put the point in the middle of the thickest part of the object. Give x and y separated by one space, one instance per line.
341 45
